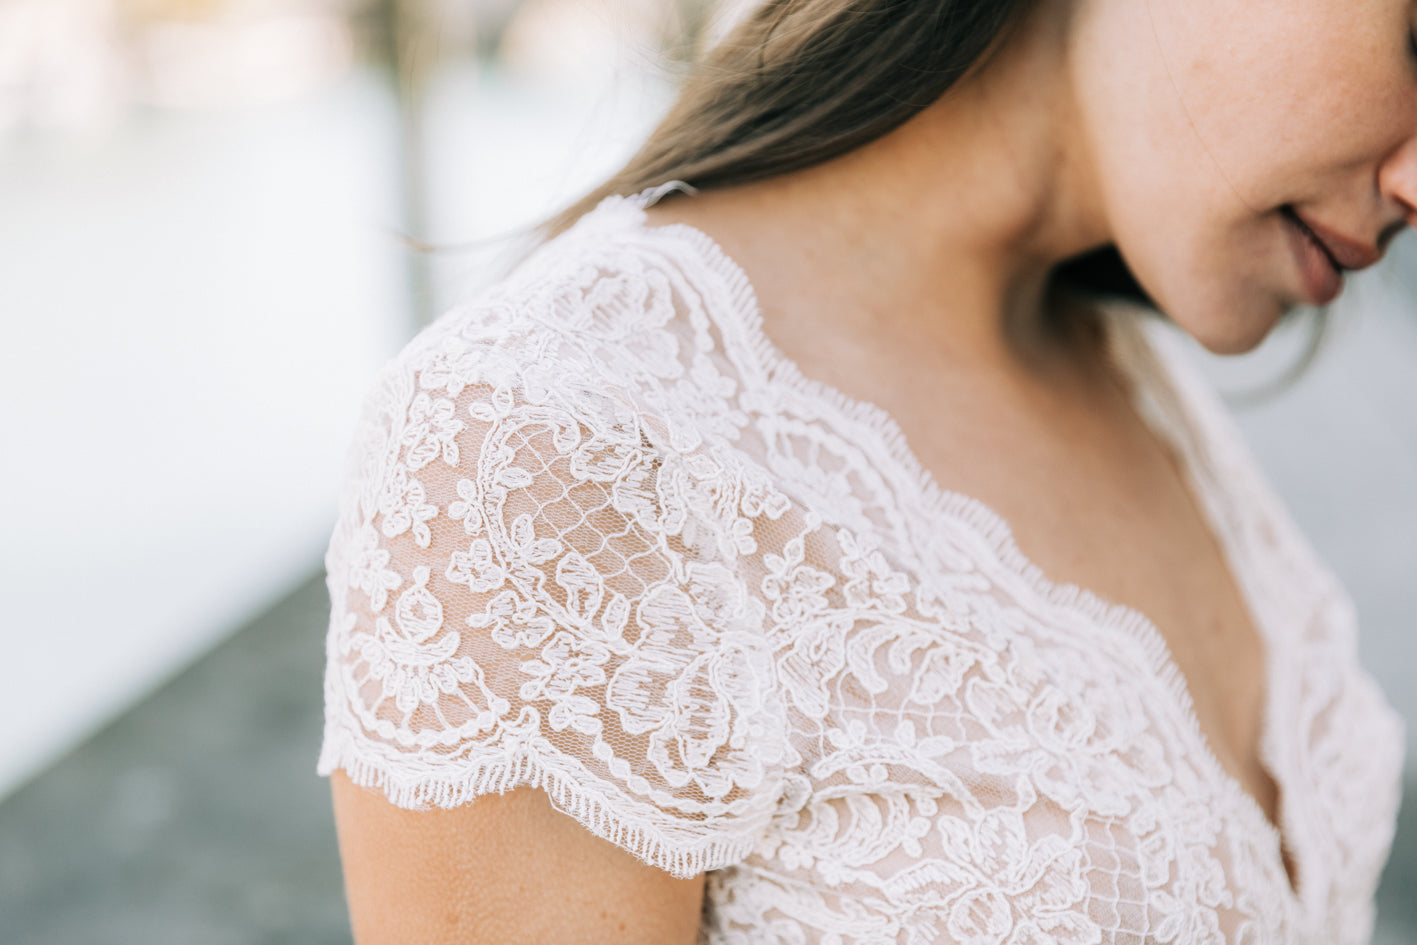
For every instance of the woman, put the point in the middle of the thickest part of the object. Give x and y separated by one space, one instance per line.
801 548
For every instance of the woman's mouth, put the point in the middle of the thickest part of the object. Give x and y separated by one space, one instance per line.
1324 254
1319 272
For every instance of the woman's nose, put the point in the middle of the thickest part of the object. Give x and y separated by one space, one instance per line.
1397 181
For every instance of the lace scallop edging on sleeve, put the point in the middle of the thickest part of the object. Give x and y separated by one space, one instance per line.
527 591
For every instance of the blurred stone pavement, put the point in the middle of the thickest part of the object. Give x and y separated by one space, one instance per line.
197 818
194 819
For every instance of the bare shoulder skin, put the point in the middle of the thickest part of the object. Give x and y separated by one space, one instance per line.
505 869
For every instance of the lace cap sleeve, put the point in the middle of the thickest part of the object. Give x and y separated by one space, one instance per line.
522 594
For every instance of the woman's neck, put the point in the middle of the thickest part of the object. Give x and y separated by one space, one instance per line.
943 232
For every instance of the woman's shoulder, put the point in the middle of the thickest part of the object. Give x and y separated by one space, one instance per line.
534 581
608 300
610 270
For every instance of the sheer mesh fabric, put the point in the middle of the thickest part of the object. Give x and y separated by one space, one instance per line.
598 537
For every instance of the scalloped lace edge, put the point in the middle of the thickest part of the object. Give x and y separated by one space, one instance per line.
479 778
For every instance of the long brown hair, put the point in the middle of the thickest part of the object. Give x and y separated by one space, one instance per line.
799 82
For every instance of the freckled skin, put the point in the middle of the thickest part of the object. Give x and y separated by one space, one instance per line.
504 870
1204 117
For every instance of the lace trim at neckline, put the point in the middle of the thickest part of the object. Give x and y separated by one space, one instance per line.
995 529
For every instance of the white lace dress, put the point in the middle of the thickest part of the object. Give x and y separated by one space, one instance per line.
600 537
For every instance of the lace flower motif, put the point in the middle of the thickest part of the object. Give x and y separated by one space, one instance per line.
368 567
405 506
431 432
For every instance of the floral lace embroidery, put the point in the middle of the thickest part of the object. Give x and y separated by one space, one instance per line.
598 538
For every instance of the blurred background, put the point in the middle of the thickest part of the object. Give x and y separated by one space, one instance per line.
214 224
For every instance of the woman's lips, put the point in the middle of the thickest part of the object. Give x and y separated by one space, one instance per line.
1346 253
1323 256
1320 275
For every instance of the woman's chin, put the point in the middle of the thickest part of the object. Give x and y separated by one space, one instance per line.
1237 334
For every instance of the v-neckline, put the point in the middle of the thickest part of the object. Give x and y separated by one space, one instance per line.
1127 344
